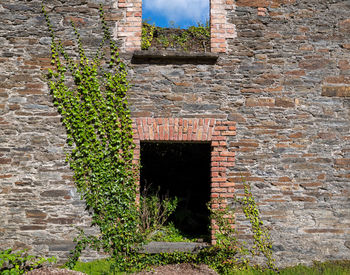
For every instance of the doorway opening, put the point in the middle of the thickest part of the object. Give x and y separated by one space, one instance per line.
182 170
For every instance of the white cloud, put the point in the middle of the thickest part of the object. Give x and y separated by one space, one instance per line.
176 10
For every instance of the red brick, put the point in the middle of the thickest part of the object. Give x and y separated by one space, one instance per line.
215 185
227 195
160 130
218 190
220 169
227 164
219 180
227 154
218 159
229 133
213 174
218 138
227 184
221 128
171 132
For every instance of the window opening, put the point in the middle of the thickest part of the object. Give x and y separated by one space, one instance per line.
176 25
180 170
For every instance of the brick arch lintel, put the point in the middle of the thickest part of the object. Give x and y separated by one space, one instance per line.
212 130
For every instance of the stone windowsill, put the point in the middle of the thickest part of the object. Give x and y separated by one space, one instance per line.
173 57
170 247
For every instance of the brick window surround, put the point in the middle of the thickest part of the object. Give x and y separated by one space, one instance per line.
128 28
210 130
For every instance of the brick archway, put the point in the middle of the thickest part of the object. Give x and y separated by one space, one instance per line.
193 129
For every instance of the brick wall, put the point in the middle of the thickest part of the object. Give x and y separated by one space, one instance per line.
220 28
215 131
128 29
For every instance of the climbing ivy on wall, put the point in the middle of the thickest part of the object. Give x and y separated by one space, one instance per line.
95 113
261 235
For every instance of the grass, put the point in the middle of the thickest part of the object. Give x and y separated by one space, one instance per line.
326 268
97 267
169 233
101 267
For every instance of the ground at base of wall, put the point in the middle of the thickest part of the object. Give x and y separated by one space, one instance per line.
175 269
341 267
53 271
188 269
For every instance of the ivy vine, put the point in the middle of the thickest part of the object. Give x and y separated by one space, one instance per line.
261 235
96 116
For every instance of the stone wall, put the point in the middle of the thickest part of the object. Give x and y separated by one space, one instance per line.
284 78
39 205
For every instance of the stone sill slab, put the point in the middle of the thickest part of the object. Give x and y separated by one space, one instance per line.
173 57
168 247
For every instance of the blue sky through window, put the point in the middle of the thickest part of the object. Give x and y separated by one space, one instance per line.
184 13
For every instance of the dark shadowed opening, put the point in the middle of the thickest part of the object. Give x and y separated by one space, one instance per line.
181 170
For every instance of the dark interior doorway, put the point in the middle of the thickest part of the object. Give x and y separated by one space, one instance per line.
181 170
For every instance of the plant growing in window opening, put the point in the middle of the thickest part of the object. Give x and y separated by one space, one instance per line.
154 212
194 38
